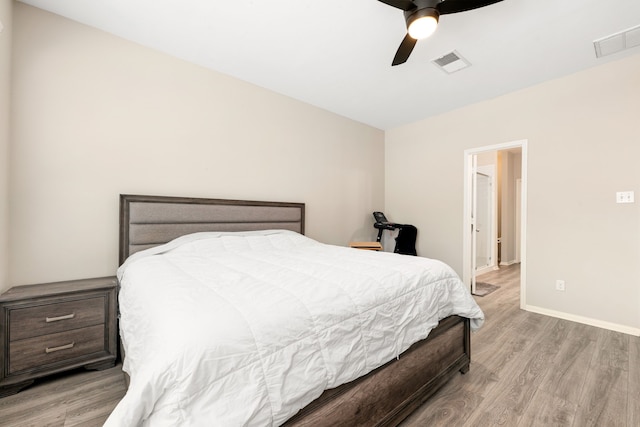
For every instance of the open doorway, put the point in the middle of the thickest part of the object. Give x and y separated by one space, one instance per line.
494 212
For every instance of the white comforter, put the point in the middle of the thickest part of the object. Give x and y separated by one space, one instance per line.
235 329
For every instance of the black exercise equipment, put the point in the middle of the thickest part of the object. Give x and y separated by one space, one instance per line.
407 233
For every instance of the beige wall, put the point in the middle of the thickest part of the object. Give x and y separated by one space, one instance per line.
5 99
584 145
96 116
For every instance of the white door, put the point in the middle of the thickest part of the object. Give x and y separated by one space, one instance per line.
473 160
484 219
518 217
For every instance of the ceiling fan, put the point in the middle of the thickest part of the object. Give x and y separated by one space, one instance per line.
422 19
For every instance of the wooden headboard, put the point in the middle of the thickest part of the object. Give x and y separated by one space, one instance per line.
147 221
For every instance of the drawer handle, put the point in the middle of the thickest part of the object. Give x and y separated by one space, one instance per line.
55 319
62 347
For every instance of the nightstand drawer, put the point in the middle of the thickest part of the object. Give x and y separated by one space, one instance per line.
44 350
56 317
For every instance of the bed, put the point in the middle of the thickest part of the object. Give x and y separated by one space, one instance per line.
398 357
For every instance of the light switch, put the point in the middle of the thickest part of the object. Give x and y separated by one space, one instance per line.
624 197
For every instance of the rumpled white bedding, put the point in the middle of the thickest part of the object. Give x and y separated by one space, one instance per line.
244 329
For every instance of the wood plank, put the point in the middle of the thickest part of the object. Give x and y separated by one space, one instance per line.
604 398
506 405
612 350
52 417
52 393
92 405
547 409
633 396
451 406
567 378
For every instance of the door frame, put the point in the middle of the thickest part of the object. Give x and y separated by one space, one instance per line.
468 251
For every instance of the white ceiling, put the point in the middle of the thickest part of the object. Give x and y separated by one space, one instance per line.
336 54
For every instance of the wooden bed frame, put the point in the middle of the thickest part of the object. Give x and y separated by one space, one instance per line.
385 396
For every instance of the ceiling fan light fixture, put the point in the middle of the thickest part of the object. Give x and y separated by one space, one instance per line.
422 23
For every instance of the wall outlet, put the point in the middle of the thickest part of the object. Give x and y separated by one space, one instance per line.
625 197
559 285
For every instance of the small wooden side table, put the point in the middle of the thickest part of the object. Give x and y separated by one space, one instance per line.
54 327
370 246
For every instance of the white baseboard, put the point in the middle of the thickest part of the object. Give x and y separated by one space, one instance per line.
509 262
584 320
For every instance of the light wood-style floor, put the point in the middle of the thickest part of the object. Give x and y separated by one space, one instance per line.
526 370
532 370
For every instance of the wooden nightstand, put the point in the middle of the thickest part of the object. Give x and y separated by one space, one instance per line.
54 327
370 246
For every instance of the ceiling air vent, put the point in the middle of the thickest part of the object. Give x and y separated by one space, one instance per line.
617 42
451 62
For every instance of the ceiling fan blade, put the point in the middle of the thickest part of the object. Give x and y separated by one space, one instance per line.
405 49
400 4
455 6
